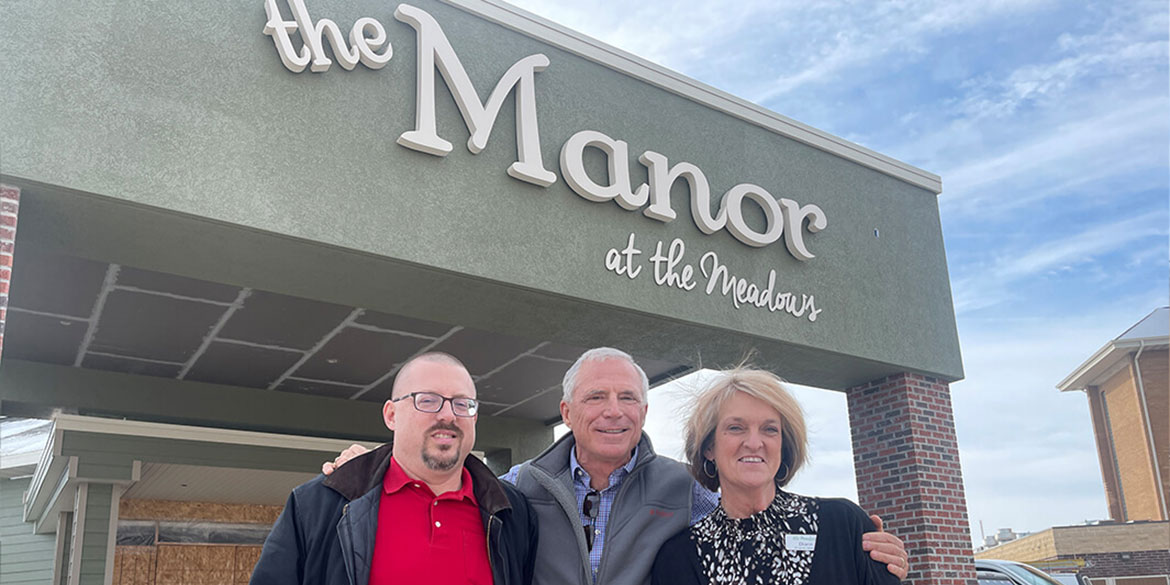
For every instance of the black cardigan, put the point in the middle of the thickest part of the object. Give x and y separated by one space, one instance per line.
838 558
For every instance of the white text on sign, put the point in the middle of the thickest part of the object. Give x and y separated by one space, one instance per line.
669 267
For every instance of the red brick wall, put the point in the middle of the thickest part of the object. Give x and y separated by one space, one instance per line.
9 205
906 460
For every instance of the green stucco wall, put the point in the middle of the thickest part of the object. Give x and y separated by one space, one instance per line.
24 557
186 107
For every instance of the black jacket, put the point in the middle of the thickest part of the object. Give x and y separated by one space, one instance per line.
325 535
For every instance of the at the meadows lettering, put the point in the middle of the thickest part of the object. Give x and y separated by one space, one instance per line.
669 269
368 44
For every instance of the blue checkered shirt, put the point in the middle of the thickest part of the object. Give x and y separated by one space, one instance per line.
703 501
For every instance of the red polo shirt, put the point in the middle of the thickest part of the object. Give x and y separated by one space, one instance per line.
424 538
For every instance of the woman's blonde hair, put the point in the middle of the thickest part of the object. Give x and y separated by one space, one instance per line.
759 384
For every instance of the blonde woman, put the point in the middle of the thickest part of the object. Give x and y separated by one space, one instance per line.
746 437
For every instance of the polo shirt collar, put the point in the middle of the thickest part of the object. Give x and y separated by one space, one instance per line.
396 478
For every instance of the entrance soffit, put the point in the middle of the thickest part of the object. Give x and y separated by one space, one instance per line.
82 313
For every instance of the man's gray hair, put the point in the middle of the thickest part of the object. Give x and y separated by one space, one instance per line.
598 354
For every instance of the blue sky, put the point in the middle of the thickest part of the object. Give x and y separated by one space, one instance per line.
1049 123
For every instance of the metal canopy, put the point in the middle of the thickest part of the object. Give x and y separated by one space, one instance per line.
72 311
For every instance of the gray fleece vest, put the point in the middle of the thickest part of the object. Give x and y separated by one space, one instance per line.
653 503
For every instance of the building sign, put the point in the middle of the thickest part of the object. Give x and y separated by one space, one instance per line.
672 267
367 44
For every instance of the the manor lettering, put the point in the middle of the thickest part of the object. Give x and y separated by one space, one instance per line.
367 43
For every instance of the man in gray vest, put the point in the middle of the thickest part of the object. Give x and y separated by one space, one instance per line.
605 502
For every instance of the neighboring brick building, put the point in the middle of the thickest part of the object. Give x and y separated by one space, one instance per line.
1136 553
1129 399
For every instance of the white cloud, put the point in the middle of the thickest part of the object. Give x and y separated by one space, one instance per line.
1102 141
668 33
1052 80
1057 155
992 285
1069 119
887 31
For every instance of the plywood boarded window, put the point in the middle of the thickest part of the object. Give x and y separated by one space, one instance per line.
184 564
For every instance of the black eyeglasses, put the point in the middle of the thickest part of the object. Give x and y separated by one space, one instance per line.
591 507
432 403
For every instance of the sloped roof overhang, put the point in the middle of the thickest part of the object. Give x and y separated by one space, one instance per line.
100 450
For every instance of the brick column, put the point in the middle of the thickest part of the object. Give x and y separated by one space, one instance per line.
9 204
907 464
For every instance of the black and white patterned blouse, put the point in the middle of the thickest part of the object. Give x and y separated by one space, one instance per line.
797 540
754 550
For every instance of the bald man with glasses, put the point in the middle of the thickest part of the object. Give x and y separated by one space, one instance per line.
419 510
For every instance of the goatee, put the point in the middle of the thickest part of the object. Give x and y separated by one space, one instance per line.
438 462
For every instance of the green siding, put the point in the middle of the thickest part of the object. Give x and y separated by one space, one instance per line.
66 551
24 557
95 536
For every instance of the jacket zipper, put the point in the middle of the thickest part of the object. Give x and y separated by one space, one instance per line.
491 557
491 562
347 545
621 491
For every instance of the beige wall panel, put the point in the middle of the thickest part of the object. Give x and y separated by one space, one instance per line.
1112 538
185 564
1140 581
1073 541
117 572
246 558
1034 547
169 559
1105 452
221 559
1132 447
169 578
209 511
214 578
197 564
1155 366
134 565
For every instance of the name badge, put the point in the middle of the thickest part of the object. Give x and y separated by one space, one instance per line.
800 541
